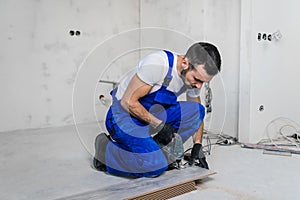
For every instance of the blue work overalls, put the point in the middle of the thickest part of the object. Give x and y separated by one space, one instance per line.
134 153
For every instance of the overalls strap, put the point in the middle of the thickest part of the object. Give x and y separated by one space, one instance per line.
168 77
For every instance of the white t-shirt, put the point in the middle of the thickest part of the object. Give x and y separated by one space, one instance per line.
152 70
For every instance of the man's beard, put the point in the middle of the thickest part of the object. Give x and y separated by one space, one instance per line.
183 72
182 76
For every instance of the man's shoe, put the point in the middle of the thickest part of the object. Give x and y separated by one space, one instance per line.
100 148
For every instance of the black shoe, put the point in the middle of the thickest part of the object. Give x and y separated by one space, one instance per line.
100 148
172 166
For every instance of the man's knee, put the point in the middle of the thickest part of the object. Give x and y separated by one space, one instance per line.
201 111
192 111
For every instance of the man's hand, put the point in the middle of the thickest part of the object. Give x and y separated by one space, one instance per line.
197 154
165 133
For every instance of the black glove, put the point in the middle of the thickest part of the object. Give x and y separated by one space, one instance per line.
198 154
165 133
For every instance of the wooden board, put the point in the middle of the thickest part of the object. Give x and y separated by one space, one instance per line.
168 185
166 193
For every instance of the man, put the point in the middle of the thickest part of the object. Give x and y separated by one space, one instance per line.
145 105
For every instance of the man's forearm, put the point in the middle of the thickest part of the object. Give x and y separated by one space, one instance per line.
197 137
137 110
130 101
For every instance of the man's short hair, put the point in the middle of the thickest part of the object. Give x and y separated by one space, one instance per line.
206 54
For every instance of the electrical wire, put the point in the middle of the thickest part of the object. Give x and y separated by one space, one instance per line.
286 137
219 139
291 137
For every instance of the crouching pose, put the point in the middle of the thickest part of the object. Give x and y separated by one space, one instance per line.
145 119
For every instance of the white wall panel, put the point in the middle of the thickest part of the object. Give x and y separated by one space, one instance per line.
272 72
39 59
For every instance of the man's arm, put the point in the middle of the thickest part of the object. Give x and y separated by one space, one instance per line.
197 137
130 101
197 151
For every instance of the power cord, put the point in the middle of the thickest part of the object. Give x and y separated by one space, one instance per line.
219 139
228 141
285 132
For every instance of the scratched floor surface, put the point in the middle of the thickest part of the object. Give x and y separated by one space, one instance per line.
54 163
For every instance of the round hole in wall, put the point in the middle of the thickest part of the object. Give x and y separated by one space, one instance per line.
259 36
71 32
261 108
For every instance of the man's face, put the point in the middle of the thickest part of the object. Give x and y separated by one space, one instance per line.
194 78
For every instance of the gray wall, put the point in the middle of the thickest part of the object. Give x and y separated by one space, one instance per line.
48 75
40 60
269 70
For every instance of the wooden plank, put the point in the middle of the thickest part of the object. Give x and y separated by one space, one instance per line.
174 182
167 193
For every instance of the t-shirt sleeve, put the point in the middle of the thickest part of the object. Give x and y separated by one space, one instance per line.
195 92
152 69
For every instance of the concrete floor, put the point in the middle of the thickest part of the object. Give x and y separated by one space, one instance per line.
52 163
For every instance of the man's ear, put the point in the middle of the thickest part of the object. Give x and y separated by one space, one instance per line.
185 63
